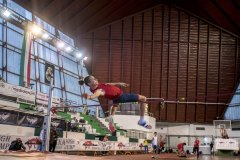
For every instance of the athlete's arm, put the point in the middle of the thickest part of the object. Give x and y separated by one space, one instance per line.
96 94
122 84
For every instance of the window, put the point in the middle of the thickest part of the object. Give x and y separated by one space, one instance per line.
84 71
0 30
57 79
14 38
70 65
33 69
76 99
72 84
65 38
12 79
45 25
44 88
34 48
233 110
15 28
1 57
47 54
42 72
57 93
20 10
33 85
13 61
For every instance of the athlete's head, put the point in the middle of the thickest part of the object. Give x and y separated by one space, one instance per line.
91 81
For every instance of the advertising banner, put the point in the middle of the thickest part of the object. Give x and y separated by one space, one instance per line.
226 144
8 117
29 120
42 98
63 144
31 143
17 92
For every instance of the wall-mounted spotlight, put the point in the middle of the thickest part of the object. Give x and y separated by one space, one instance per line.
68 49
78 55
36 30
60 44
6 13
85 58
45 36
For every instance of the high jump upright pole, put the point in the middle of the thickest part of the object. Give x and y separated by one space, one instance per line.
47 118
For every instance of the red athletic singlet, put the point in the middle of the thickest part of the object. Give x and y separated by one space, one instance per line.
111 91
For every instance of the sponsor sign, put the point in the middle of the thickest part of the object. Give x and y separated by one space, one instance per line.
94 145
67 144
17 92
31 143
42 98
226 144
26 94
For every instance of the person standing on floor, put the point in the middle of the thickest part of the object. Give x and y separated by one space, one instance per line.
53 140
145 145
196 147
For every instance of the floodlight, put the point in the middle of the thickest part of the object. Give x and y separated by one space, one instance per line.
68 49
6 13
36 30
85 58
78 55
45 36
60 44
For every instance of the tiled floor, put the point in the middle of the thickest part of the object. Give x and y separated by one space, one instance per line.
55 156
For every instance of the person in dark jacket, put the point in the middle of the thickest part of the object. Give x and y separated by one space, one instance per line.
53 140
17 145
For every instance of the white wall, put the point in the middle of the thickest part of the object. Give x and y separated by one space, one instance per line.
131 122
190 130
16 130
73 135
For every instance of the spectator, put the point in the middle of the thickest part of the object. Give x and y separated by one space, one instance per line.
74 124
196 147
53 140
145 145
211 147
170 150
181 152
155 142
105 139
17 145
161 145
224 133
88 112
42 137
82 122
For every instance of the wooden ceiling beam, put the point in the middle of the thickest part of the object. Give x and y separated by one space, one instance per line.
229 11
98 17
216 14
